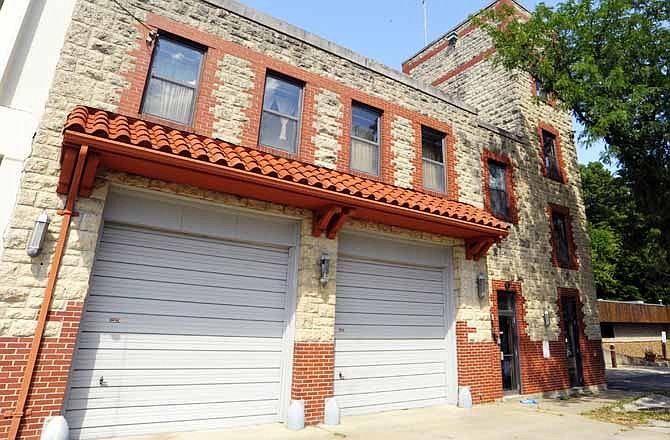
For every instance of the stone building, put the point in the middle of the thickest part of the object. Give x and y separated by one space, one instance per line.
244 214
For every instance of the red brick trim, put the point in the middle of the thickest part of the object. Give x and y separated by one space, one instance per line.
542 126
593 363
50 377
313 373
408 66
131 98
488 155
478 366
574 262
463 67
452 192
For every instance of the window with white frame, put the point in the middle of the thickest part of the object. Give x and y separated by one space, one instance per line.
432 152
282 108
174 77
365 139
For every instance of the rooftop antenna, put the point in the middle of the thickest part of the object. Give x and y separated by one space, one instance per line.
425 23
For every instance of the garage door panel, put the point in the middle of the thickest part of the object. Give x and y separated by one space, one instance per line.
383 384
131 341
121 397
187 277
171 359
350 305
165 291
409 357
373 319
354 345
353 266
171 308
373 293
131 254
388 397
389 372
388 283
127 323
176 376
152 428
390 329
192 245
186 334
405 404
207 412
353 331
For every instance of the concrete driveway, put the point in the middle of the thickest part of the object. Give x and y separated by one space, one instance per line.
550 420
640 379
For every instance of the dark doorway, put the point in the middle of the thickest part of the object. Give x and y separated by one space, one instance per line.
574 354
509 346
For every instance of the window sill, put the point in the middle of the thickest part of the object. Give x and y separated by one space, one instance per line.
166 122
278 152
566 266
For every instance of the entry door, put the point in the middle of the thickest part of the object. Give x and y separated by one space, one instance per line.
390 331
509 346
179 333
571 326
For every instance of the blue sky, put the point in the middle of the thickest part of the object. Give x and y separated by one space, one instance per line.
388 31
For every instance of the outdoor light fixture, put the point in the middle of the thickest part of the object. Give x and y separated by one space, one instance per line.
325 267
547 319
39 232
481 285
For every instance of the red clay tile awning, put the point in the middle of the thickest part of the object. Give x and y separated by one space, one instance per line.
131 145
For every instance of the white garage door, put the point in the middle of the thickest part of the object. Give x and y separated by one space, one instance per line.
393 341
179 333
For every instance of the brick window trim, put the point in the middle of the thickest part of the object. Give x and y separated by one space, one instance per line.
451 176
203 120
541 127
488 155
572 248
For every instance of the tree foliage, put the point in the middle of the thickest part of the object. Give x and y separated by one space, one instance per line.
629 261
608 62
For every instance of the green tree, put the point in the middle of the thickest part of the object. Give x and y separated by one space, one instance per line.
606 61
629 260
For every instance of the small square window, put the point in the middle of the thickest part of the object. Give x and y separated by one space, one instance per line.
498 192
365 139
560 234
551 165
282 109
432 152
173 80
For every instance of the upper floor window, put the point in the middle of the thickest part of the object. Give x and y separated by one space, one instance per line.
432 152
365 139
282 107
173 80
561 239
498 192
540 91
550 153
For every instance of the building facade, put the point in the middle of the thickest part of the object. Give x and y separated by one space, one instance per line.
244 214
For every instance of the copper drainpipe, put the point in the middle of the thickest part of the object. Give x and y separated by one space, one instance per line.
67 213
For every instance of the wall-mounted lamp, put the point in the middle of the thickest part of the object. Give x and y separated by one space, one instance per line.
325 267
481 285
39 232
151 37
547 319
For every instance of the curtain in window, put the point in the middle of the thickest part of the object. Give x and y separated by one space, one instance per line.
287 105
169 100
433 175
364 156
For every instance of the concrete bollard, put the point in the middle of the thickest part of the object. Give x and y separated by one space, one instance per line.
55 428
332 416
296 415
613 355
464 397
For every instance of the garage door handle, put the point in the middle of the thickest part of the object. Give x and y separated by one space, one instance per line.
341 376
102 381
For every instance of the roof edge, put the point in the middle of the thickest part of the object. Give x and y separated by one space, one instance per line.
293 31
461 23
